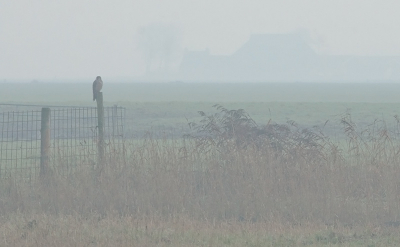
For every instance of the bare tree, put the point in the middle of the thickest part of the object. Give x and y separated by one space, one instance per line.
161 47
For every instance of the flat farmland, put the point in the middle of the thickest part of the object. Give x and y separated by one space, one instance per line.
203 92
170 106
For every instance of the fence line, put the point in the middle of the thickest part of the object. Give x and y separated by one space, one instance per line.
73 138
49 106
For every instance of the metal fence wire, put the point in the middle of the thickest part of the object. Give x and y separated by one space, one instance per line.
20 143
74 137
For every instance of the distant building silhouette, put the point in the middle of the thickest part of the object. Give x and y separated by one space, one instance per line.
285 57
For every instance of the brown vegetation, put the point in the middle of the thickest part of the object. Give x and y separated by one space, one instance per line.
230 170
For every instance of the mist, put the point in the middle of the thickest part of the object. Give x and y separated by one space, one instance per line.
161 49
214 123
134 41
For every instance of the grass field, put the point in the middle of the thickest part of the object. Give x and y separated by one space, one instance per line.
170 106
201 192
173 193
203 92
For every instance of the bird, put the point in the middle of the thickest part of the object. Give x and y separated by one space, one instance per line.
97 85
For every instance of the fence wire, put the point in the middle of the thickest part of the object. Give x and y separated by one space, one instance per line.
20 144
74 137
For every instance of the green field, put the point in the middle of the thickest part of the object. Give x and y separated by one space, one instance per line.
166 106
206 92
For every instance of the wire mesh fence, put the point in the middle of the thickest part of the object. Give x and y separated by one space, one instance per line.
20 143
73 139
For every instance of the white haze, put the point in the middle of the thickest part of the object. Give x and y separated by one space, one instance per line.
80 39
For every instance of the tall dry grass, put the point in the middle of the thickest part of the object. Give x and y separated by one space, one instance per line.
231 169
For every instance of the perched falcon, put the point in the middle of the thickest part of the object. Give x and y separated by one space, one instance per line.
97 85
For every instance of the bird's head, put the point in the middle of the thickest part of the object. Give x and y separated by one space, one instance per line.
98 78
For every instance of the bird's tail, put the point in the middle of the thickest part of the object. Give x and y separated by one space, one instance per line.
94 95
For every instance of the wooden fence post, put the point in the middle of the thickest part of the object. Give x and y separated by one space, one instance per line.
44 141
100 125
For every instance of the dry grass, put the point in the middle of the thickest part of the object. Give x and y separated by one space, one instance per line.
219 191
112 230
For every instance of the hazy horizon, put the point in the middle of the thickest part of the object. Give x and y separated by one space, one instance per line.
78 40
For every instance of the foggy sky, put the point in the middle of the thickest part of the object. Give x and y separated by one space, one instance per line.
79 39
